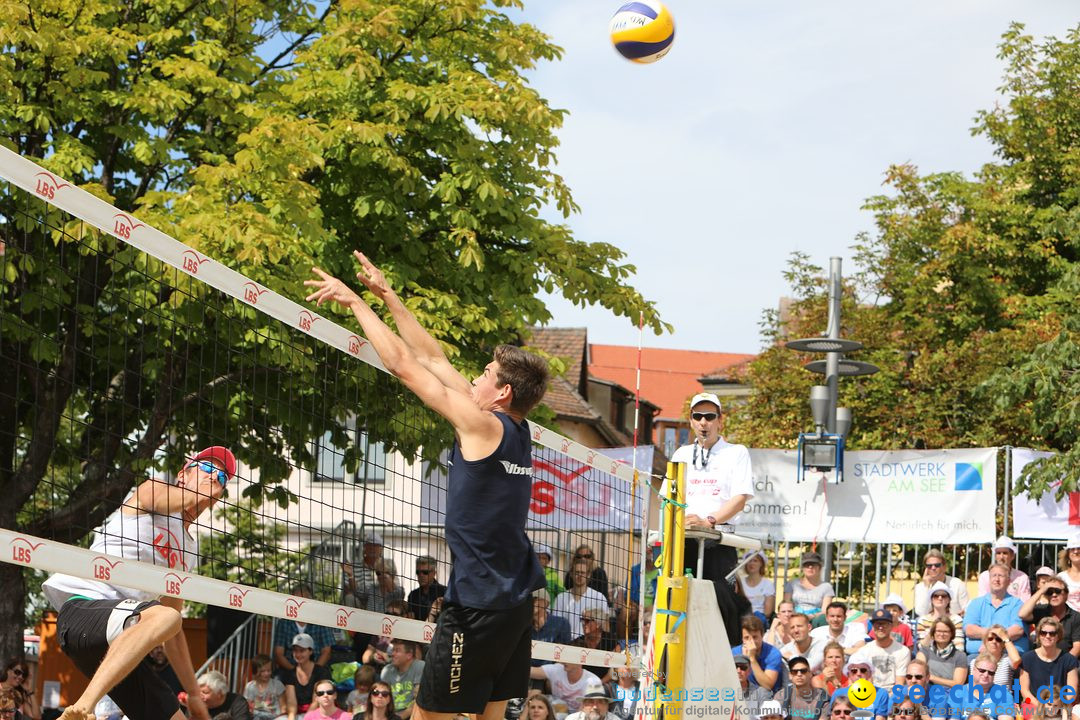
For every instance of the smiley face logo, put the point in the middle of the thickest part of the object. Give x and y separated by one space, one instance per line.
862 693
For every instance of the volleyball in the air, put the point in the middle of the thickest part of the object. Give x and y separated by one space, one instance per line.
642 31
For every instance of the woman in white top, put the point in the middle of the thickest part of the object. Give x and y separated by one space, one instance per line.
759 589
1069 562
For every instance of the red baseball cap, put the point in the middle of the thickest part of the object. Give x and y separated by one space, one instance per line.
222 455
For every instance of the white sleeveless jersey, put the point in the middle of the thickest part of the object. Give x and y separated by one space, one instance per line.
156 539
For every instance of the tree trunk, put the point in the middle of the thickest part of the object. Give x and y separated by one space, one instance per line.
11 610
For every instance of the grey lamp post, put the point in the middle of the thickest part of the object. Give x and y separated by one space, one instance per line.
824 398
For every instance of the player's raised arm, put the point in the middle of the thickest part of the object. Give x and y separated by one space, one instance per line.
453 403
424 347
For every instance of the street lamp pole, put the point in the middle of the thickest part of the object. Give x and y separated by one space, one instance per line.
836 421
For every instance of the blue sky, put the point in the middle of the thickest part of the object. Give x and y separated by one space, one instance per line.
761 133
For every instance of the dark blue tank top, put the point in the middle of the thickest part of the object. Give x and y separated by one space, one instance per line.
487 504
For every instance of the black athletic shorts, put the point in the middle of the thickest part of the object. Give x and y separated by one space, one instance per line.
87 627
476 656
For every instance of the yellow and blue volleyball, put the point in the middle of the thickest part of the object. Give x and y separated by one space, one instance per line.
642 31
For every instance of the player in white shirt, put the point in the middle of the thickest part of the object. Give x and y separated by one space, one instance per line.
108 630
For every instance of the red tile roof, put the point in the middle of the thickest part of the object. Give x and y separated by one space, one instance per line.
668 377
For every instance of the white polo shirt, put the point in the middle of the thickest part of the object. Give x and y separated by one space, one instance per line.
715 476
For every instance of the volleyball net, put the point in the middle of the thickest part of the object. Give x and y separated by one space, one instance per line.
124 352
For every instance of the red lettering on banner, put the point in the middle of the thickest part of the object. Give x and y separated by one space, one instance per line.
124 225
614 467
343 616
292 607
584 656
173 583
103 567
48 185
306 320
564 446
236 596
429 633
543 497
538 432
252 292
355 343
590 458
387 626
191 261
22 550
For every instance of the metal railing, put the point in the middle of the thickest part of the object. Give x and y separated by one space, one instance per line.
233 658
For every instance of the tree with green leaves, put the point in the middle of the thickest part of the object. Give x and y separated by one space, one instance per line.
270 135
965 294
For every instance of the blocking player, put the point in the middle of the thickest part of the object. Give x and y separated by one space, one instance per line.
479 655
108 630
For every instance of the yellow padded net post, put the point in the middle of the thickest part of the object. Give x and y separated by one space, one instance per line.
672 594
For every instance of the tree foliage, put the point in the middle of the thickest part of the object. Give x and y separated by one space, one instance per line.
270 135
965 293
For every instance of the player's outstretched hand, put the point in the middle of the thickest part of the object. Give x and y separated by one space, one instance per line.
329 289
371 276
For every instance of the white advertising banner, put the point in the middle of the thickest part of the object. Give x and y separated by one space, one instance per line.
901 496
569 494
1045 518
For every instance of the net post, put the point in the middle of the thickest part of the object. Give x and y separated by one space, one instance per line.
672 598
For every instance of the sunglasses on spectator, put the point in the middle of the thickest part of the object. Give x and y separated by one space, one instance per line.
858 670
380 693
424 572
1051 591
933 565
799 671
1048 633
985 670
842 711
7 712
914 677
993 638
210 468
321 693
18 671
704 416
941 596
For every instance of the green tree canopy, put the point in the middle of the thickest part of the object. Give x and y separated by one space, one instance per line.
272 136
965 294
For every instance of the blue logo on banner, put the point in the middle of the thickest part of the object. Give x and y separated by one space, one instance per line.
968 476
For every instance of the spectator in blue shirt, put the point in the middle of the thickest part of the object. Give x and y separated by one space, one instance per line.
766 662
997 607
285 630
547 627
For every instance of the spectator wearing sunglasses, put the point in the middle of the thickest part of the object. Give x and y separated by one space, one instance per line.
16 680
153 525
862 670
324 707
718 486
934 571
1047 665
800 699
1003 651
1069 562
428 587
597 578
984 667
380 703
917 675
1051 600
